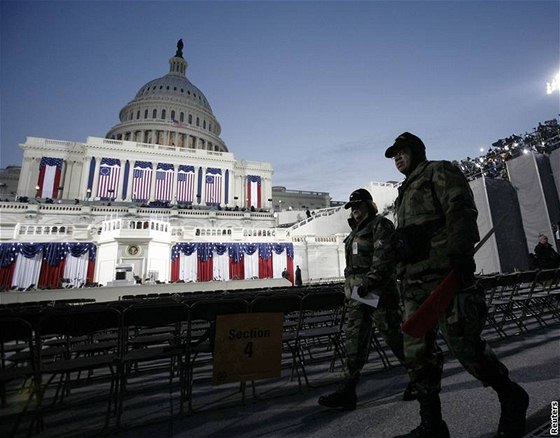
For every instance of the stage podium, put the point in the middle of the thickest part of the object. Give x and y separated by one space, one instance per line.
124 275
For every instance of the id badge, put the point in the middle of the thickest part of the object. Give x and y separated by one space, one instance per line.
354 248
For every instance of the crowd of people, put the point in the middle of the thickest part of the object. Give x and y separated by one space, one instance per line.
543 140
150 204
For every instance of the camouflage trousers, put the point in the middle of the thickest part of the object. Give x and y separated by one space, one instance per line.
359 326
461 327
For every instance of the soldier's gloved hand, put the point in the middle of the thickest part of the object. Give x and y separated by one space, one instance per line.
362 291
463 267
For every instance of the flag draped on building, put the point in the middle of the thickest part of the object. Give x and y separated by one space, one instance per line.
265 260
253 191
205 266
236 265
185 184
43 265
178 124
141 181
50 170
109 174
213 187
209 261
164 182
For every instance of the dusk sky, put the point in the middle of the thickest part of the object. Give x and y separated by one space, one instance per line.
317 88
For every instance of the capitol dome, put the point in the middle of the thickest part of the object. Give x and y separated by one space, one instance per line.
170 111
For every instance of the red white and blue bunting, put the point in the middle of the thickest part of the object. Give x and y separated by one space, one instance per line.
109 173
50 171
45 265
253 191
164 182
141 181
230 261
185 184
213 186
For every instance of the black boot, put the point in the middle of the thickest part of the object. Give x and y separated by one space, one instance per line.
514 402
410 393
344 397
431 424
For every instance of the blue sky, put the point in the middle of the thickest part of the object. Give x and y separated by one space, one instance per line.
317 88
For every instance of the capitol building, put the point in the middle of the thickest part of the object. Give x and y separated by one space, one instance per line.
159 199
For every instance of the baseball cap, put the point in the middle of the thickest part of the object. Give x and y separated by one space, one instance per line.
405 139
358 196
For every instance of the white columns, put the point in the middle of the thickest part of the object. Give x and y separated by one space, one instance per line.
96 177
85 177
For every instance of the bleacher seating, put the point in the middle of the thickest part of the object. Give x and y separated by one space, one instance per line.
544 139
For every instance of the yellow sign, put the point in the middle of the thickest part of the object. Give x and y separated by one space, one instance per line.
248 346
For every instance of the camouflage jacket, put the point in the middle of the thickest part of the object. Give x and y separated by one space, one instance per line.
367 250
436 203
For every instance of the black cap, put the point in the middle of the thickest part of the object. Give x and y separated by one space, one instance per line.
405 139
358 196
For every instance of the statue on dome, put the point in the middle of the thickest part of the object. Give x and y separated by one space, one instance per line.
179 52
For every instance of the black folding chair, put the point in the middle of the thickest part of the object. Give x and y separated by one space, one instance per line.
16 335
320 327
545 298
152 341
526 298
78 328
500 308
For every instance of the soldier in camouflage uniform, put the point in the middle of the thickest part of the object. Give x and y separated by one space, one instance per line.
367 270
436 233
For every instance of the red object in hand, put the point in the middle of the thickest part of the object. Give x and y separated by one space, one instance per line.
432 309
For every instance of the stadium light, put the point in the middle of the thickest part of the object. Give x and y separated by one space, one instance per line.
553 86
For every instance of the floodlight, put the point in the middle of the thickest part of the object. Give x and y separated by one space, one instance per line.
525 151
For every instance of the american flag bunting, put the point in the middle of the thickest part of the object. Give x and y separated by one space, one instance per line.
109 174
141 181
185 184
164 182
213 187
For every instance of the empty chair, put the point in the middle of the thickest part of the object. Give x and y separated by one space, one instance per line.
16 334
523 305
502 301
152 342
78 327
545 297
320 327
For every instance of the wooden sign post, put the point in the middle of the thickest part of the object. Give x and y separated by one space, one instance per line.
248 346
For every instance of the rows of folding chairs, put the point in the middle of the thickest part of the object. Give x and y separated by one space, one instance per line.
116 353
517 301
